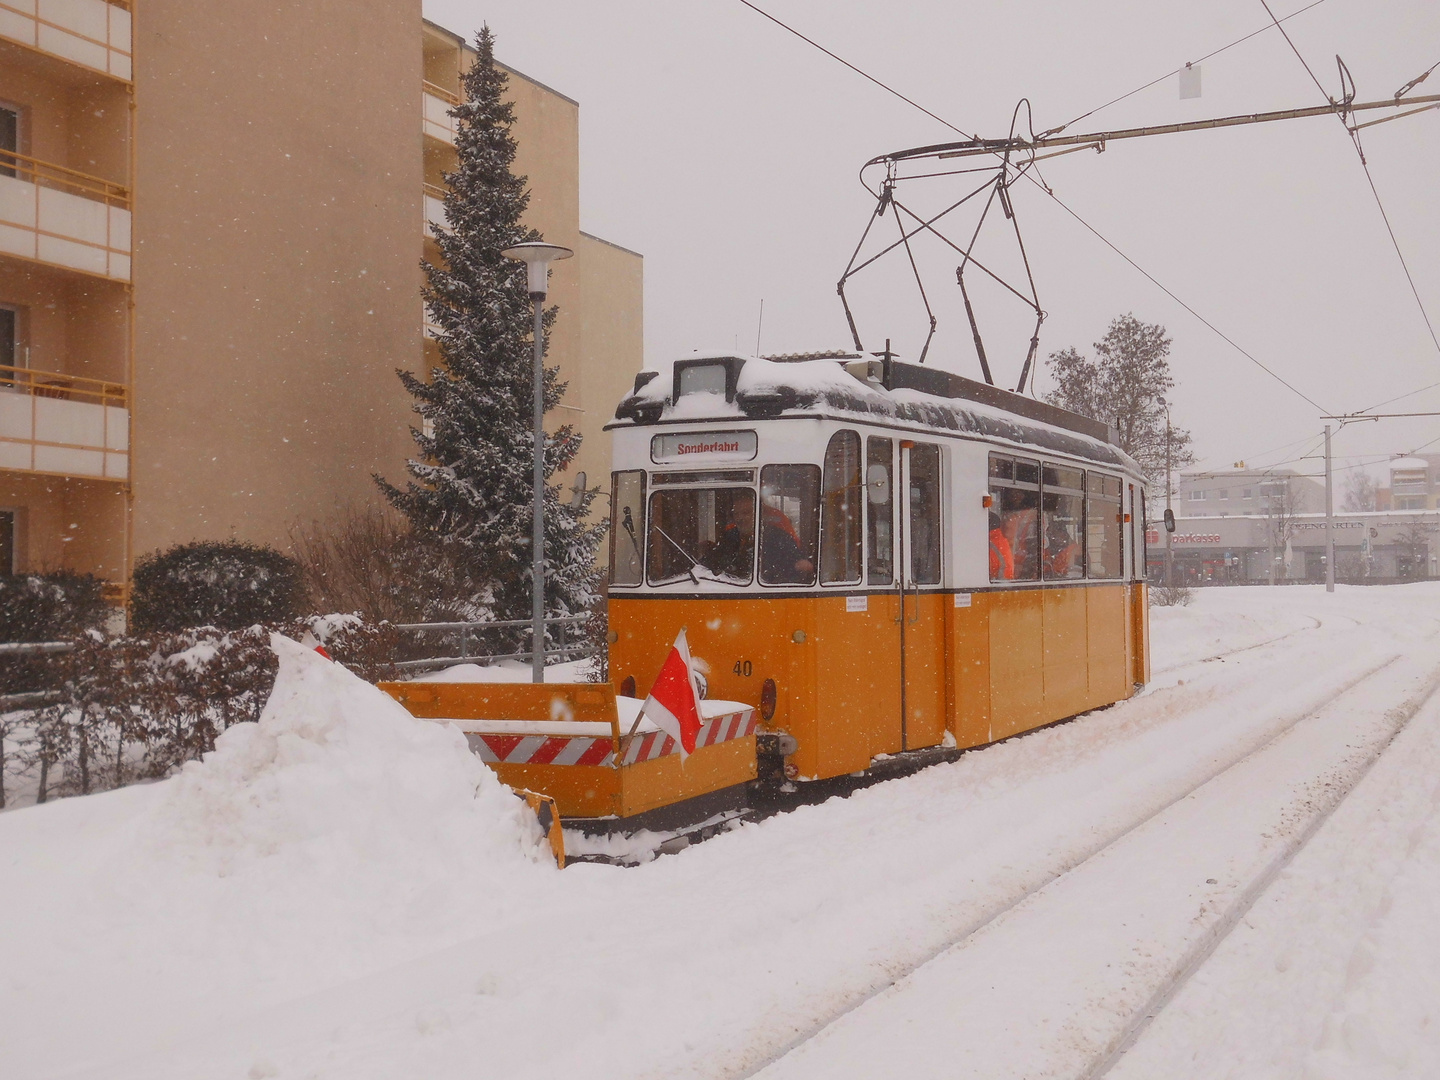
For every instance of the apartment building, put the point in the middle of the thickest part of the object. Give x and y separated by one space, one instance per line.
212 218
1414 483
1232 492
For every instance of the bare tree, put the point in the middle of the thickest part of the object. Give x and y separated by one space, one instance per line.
1280 501
1361 492
1413 542
1125 386
370 561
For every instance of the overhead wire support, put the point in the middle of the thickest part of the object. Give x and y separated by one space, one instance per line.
1190 63
1343 110
978 147
1002 148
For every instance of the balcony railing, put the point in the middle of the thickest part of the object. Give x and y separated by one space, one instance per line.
65 425
435 105
434 200
92 33
47 174
59 215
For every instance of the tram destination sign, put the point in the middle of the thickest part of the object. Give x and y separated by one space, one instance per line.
701 446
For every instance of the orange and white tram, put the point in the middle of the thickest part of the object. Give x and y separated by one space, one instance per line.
883 557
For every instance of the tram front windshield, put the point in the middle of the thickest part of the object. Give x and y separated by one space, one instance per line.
704 533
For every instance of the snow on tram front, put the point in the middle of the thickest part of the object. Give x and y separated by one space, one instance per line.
884 558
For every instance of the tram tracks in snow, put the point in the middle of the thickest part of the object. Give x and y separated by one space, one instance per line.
1241 902
1195 958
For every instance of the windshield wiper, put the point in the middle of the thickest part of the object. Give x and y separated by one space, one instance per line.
694 562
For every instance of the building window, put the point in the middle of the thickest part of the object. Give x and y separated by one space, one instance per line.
9 342
7 542
1248 493
1195 496
9 140
1224 493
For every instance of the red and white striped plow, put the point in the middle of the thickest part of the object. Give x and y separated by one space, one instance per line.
587 750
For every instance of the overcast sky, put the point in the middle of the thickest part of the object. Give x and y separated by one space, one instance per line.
726 151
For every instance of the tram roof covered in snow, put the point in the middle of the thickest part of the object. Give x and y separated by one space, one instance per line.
725 387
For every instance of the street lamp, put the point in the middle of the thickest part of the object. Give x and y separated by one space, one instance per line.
537 259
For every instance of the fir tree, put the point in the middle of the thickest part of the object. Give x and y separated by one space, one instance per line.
471 489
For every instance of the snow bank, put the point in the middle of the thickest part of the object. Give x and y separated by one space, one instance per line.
339 787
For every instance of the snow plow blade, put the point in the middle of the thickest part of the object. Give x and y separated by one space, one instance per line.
577 744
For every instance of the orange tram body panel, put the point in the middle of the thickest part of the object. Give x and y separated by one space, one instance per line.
882 558
1004 663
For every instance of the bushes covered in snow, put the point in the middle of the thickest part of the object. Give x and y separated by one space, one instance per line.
137 707
224 583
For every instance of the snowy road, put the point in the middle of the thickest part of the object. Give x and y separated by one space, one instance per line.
1235 872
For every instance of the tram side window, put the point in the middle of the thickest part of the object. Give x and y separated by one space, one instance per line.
1014 513
880 497
627 527
1063 523
789 517
711 530
1142 539
925 514
1103 526
842 529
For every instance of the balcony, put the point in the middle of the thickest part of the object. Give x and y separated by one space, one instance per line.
91 33
436 105
63 425
64 217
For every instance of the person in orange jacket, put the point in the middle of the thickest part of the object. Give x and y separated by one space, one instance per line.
1002 557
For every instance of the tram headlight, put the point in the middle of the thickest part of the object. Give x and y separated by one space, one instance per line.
768 696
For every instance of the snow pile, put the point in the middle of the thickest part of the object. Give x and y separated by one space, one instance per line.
338 789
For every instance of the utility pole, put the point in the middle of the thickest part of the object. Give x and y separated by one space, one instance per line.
1329 520
1169 535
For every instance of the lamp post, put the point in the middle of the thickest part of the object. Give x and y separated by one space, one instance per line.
537 259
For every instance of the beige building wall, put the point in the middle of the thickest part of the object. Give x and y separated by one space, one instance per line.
612 336
261 190
278 183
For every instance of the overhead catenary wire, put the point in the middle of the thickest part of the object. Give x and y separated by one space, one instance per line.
1169 74
1059 202
1341 112
863 74
1048 191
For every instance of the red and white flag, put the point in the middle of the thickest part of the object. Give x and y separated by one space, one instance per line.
673 703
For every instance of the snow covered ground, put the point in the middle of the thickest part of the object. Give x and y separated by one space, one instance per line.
1236 874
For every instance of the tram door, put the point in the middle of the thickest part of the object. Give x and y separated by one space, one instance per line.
922 608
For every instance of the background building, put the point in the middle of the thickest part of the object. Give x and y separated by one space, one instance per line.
212 218
1240 491
1414 483
1375 546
